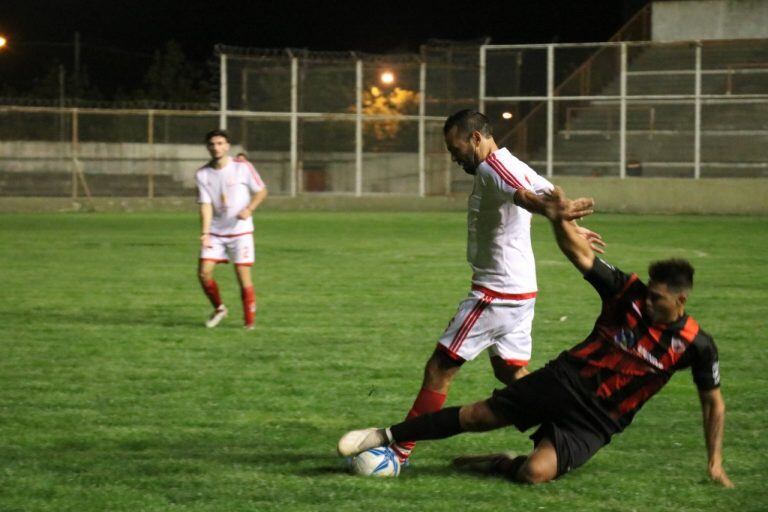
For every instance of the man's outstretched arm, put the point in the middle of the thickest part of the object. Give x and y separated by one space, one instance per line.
713 413
576 209
558 210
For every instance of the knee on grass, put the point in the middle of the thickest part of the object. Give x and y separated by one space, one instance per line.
535 471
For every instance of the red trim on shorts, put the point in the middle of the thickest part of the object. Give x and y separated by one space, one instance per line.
507 296
214 260
468 323
515 362
243 264
232 236
452 355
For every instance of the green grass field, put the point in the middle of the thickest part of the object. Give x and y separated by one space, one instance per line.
113 396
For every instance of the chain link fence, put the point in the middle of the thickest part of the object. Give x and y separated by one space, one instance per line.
358 124
312 122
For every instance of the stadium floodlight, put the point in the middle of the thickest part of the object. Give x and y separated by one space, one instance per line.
3 42
507 115
387 77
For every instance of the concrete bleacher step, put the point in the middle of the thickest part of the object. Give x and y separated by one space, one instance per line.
665 146
660 133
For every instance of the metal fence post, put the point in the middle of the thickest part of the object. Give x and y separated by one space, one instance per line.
74 150
481 84
623 112
151 142
294 125
223 91
697 116
550 106
422 127
359 128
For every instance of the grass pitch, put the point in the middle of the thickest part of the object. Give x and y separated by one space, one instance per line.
114 397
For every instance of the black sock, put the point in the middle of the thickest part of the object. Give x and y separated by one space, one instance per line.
437 425
510 468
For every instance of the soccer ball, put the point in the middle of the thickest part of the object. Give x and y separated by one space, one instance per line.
380 461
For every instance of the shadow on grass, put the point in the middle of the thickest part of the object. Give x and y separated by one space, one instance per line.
157 316
157 457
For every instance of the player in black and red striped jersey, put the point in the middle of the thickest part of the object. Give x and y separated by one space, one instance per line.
592 391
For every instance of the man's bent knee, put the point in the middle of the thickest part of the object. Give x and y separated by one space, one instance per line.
540 466
440 371
532 473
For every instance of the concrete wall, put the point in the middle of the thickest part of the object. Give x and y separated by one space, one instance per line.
709 19
632 195
672 195
383 172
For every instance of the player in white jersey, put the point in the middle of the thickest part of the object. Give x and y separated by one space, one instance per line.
498 313
229 190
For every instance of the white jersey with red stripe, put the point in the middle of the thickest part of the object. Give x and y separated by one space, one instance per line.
499 232
229 191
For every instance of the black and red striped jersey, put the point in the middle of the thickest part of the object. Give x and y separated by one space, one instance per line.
626 360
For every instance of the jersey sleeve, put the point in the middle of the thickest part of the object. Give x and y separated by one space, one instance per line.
608 280
513 177
502 180
253 179
540 183
705 363
203 197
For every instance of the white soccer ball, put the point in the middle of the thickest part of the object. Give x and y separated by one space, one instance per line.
380 461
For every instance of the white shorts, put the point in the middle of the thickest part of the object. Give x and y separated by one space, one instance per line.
237 248
487 319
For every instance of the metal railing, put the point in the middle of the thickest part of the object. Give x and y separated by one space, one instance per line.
676 83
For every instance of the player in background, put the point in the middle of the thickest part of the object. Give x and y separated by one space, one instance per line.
498 313
229 190
592 391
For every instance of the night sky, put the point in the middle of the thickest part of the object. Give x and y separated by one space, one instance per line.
124 35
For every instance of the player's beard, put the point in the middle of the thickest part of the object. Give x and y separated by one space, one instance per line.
470 167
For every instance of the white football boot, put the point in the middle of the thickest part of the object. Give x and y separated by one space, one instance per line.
356 441
217 316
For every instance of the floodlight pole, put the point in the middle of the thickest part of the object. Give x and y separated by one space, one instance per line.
697 116
223 91
422 127
623 112
359 128
550 106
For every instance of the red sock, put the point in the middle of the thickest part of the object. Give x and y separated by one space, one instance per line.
211 290
249 305
426 401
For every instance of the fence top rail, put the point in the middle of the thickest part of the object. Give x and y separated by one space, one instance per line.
631 97
692 42
312 55
215 113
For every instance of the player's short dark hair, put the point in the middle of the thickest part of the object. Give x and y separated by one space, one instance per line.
676 273
218 132
468 121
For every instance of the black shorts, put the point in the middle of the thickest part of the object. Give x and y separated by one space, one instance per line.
541 399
